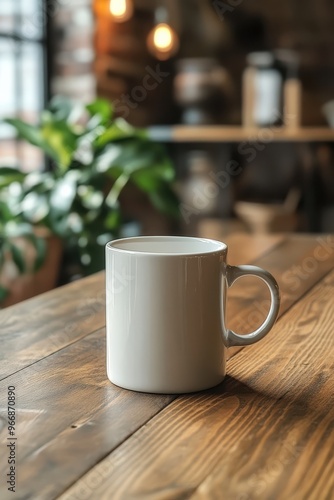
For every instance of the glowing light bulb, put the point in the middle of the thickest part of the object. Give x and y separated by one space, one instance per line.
163 37
121 10
163 42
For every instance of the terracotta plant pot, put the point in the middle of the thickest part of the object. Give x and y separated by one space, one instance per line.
25 286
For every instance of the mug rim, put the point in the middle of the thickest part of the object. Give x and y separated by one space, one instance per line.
218 247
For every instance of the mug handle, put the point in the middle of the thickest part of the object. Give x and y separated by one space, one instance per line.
232 274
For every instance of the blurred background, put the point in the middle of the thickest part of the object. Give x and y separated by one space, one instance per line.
241 94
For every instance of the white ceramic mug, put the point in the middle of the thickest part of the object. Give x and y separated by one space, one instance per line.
166 301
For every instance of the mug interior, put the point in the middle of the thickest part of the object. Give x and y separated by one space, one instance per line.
167 245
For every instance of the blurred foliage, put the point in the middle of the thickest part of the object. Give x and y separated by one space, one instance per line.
93 157
12 230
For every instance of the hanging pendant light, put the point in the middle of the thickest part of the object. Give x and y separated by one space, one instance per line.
162 40
121 10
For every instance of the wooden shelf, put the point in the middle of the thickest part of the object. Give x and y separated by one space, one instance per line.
217 133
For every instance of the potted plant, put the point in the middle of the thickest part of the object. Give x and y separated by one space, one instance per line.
22 254
93 156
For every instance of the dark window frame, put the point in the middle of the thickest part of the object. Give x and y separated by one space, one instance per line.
44 42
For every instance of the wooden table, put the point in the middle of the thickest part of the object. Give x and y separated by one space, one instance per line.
266 432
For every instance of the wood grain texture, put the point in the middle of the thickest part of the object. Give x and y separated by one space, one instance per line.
38 329
266 432
288 452
297 263
71 417
243 248
44 324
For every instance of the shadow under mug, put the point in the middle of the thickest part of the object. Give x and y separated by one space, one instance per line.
165 312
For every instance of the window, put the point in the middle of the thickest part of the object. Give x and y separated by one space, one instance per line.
23 75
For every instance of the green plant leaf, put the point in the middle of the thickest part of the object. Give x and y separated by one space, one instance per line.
62 196
91 198
39 245
146 182
4 292
150 178
115 191
59 226
6 214
97 258
18 258
165 200
61 138
39 182
14 229
33 135
113 220
119 130
102 108
61 108
8 175
130 155
35 207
